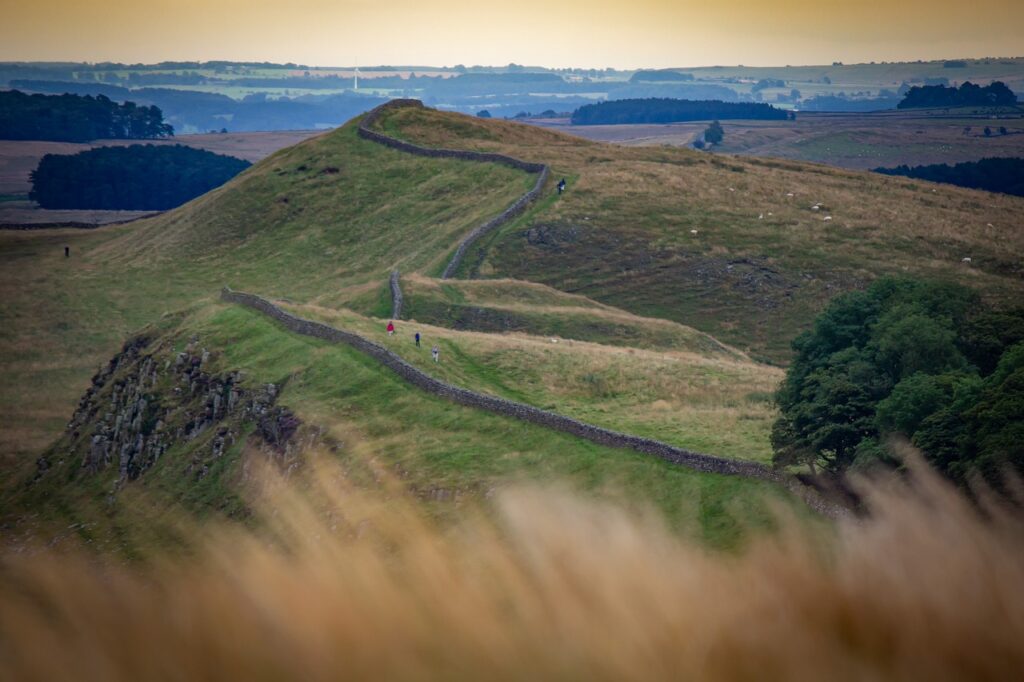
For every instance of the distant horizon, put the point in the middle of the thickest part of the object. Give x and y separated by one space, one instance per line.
396 66
563 34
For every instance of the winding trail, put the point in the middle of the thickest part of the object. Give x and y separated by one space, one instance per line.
521 411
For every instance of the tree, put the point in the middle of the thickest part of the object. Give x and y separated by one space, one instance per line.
714 134
993 174
483 113
988 131
995 94
75 118
137 177
666 110
925 360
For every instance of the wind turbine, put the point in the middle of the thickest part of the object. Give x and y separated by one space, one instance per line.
355 76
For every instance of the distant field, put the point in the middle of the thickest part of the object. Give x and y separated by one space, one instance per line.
855 141
28 213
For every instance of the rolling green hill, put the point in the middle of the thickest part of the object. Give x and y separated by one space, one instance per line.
636 301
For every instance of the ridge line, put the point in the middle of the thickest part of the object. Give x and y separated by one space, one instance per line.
505 216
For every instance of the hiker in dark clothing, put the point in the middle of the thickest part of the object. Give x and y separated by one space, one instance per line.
417 339
561 185
67 251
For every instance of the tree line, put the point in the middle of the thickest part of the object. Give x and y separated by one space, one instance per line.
928 361
968 94
133 178
1004 175
74 118
656 110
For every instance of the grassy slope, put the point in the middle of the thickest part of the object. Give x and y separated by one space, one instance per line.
622 234
337 233
383 428
515 305
333 242
710 402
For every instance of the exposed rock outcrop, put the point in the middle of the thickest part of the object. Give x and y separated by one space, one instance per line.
149 399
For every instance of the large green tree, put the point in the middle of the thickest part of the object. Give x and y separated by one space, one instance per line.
922 359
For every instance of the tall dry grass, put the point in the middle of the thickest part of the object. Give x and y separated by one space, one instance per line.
550 587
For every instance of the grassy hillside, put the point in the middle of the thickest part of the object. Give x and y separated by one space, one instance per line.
290 226
516 306
709 402
322 224
378 429
734 247
651 257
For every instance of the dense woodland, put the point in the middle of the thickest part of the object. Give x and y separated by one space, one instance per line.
75 118
138 177
967 95
1004 175
926 361
656 110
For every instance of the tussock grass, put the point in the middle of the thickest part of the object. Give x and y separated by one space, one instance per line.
549 587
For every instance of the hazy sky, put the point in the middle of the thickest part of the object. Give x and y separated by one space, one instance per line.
588 33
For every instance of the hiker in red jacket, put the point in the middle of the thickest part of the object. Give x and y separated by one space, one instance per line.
391 328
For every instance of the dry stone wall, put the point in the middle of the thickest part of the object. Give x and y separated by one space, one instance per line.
396 296
520 205
523 412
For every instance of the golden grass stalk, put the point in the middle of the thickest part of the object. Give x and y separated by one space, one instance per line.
344 584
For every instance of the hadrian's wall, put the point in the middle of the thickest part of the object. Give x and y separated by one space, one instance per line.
523 412
396 296
366 132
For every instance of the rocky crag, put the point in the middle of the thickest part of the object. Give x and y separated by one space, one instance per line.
150 400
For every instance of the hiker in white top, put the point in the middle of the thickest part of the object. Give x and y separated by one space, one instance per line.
435 352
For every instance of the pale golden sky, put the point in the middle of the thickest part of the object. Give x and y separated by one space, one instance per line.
557 33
